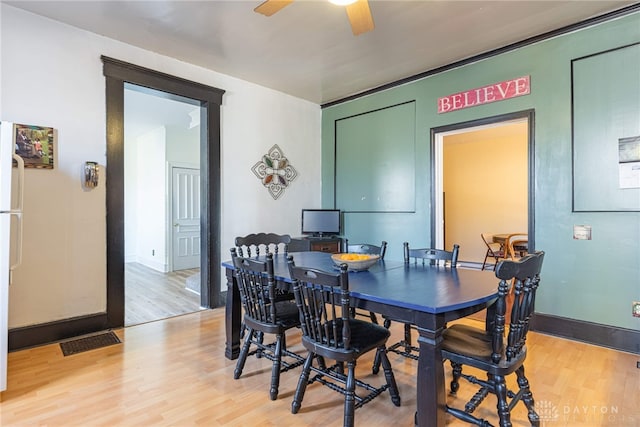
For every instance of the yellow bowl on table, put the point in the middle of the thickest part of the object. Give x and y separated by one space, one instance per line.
355 262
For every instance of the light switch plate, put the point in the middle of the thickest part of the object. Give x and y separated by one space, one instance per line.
582 232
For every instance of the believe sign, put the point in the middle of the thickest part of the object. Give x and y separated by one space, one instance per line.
484 95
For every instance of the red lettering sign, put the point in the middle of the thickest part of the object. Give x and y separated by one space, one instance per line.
484 95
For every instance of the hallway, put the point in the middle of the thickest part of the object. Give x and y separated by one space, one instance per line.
151 295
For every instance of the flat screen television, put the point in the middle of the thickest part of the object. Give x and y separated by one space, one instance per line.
321 222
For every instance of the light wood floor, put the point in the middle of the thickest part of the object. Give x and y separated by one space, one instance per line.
151 295
173 373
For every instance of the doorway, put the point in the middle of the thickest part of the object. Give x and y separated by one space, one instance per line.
209 100
162 206
483 182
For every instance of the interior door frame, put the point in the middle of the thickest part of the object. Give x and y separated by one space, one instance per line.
437 137
116 73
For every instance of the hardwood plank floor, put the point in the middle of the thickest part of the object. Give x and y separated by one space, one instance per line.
173 373
152 295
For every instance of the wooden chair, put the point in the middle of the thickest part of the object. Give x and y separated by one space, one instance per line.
330 332
449 259
258 244
489 351
494 250
365 248
264 314
516 246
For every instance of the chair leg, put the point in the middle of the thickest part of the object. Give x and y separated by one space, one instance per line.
302 384
275 368
388 374
373 317
376 363
242 358
349 397
527 397
455 381
322 365
486 255
503 405
260 340
407 337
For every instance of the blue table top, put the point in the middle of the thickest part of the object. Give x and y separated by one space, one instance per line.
430 289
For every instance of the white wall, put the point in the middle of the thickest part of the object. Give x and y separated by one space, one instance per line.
183 145
151 182
51 75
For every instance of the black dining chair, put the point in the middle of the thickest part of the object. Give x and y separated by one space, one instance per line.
330 332
365 248
448 259
489 350
256 244
264 314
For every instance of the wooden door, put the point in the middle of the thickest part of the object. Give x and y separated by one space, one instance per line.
185 208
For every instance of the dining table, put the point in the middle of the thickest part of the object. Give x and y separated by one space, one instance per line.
427 296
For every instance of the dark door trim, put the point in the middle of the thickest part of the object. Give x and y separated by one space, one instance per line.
209 99
530 116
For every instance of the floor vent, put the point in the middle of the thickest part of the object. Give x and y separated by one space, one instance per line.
92 342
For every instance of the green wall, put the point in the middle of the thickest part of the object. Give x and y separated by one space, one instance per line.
591 280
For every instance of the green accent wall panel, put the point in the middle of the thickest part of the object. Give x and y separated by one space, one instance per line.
606 112
587 280
375 160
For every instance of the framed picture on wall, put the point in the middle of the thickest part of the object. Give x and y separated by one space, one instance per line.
35 144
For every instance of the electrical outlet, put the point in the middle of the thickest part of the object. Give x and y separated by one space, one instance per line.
635 309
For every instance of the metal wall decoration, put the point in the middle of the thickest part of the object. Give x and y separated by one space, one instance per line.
274 171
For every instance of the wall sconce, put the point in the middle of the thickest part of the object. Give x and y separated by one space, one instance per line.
90 175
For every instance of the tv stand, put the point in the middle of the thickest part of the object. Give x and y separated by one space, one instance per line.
329 244
320 237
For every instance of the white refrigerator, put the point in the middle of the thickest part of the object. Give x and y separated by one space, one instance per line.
11 197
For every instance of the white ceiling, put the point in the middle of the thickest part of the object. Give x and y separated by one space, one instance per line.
146 109
307 49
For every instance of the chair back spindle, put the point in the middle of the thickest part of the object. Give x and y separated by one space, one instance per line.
254 245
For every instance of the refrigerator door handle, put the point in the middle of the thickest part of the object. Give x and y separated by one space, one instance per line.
17 212
18 259
20 202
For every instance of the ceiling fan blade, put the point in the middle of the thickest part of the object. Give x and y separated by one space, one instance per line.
360 17
270 7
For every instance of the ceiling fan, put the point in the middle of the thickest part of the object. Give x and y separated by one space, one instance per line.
357 10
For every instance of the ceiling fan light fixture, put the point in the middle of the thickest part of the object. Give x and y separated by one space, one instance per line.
342 2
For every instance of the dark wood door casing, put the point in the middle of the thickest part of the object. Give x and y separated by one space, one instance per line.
209 99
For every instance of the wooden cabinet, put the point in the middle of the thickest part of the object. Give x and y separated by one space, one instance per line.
320 244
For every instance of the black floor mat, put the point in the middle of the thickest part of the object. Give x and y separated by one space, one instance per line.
89 343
